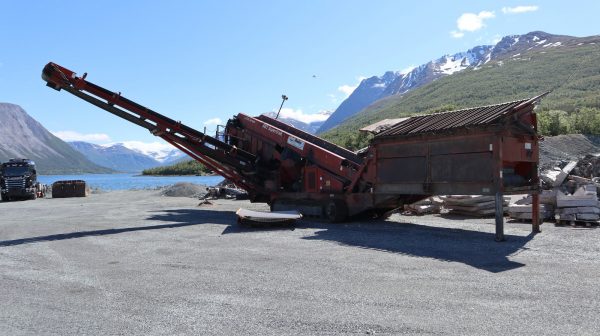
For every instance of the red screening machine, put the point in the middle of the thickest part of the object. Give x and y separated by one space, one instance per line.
489 150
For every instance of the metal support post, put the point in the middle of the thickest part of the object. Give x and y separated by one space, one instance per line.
535 213
499 216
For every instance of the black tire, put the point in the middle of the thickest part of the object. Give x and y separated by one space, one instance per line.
336 211
4 198
33 197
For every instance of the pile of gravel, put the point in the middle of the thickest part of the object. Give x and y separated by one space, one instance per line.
184 189
567 147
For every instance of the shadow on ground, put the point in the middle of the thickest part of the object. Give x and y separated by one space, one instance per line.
177 218
473 248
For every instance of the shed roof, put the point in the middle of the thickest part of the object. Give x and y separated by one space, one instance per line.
476 116
381 125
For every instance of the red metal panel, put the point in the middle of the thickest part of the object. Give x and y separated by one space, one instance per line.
317 155
463 167
401 150
407 169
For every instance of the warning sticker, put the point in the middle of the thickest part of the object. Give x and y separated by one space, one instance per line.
296 142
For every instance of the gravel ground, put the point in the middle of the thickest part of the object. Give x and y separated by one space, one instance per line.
135 262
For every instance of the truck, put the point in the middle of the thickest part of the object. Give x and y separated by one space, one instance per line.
18 180
486 150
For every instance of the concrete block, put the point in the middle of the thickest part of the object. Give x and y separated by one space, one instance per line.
519 208
588 217
548 197
565 217
557 177
554 177
579 210
588 189
569 201
570 166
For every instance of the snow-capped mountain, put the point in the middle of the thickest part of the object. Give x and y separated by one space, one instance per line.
159 151
129 156
397 83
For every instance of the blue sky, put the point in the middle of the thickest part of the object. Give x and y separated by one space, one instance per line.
197 61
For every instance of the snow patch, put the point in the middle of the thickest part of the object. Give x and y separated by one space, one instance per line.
160 151
450 65
488 58
556 44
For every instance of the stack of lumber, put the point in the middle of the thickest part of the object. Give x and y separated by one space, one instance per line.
472 205
431 205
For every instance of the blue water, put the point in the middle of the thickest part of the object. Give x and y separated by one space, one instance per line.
130 181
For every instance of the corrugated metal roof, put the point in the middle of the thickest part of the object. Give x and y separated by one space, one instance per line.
475 116
381 125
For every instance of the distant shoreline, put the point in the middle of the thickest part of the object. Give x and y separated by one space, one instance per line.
131 181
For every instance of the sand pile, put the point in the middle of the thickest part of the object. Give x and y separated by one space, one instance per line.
184 189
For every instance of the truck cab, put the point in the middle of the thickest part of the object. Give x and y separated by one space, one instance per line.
18 180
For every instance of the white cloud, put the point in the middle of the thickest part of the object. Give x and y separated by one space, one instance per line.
407 69
347 89
457 34
290 113
333 98
471 22
213 122
76 136
496 39
519 9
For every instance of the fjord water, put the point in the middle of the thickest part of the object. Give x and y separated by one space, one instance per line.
130 181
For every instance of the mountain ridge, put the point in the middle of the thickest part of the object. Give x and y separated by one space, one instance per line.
366 93
21 136
525 66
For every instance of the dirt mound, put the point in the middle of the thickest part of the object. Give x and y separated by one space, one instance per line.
567 147
184 189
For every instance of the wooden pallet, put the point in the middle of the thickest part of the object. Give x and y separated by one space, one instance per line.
577 223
